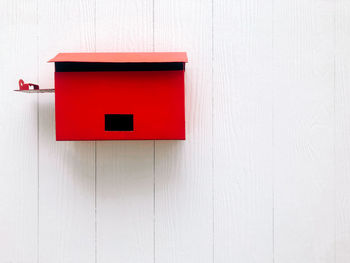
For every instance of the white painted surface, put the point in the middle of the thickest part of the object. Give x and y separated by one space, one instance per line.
18 133
66 169
264 174
304 157
183 169
124 175
242 130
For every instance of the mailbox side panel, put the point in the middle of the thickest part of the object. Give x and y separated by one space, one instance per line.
86 101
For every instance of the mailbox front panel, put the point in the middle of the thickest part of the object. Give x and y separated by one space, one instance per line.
120 105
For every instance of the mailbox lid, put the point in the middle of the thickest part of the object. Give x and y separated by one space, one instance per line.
144 91
122 57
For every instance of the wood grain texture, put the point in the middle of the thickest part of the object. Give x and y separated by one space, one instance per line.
67 169
18 132
125 173
304 131
342 130
125 202
242 125
263 175
183 169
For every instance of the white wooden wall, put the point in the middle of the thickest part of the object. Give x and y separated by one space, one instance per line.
264 175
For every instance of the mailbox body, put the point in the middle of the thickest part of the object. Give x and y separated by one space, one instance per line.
143 99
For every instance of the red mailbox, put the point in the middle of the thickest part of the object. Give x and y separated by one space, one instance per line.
120 96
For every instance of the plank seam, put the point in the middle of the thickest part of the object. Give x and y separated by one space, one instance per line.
37 139
212 131
334 129
273 130
95 197
95 144
154 151
95 190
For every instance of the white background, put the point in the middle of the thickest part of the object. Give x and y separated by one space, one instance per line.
264 175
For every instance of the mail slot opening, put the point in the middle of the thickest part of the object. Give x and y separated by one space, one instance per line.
119 122
86 67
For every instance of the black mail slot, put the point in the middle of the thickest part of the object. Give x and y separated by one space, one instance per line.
119 122
85 66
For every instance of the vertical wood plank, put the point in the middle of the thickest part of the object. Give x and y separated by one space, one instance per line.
125 176
342 126
18 130
243 189
183 169
304 131
66 170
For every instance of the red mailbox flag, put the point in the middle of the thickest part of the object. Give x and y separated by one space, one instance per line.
120 96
